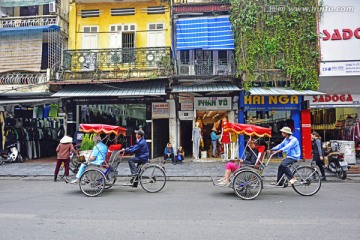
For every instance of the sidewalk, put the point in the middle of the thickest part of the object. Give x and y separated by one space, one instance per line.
189 170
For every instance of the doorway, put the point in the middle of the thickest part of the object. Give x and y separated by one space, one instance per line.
186 136
160 136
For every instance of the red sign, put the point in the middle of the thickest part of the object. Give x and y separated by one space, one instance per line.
346 34
332 98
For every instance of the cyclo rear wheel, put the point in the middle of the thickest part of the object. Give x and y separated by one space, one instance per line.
308 181
247 184
152 178
92 182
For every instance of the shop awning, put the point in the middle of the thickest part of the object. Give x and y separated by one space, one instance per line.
340 85
210 87
129 89
276 91
28 29
4 102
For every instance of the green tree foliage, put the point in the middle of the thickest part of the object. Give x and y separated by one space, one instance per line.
277 40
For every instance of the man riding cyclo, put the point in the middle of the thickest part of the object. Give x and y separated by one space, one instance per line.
291 147
141 151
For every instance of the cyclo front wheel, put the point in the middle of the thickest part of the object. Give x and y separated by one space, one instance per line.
92 182
247 184
308 181
152 178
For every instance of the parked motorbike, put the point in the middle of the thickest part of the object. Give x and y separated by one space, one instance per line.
335 159
10 154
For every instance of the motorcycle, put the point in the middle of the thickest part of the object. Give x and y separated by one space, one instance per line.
335 160
10 154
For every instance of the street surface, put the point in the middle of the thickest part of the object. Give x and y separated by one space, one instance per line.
37 208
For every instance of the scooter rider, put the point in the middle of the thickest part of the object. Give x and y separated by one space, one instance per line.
290 146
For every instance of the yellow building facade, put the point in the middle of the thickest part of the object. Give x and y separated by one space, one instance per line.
112 40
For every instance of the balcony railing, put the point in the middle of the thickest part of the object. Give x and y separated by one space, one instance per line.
116 63
178 2
34 21
205 68
22 78
31 21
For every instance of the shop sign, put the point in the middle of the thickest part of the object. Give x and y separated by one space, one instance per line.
160 110
281 102
340 39
340 68
187 106
212 103
334 99
186 99
186 115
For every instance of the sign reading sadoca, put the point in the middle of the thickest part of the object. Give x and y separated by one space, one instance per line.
334 99
340 34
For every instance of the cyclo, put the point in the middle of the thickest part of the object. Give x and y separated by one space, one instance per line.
95 179
247 181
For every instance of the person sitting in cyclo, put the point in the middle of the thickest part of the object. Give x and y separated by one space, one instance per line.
97 157
141 151
290 146
232 166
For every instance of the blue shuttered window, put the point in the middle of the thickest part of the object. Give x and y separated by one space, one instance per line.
211 33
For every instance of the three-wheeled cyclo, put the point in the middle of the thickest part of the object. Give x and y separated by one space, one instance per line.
95 179
247 182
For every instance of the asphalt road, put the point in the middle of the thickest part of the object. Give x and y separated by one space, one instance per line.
36 208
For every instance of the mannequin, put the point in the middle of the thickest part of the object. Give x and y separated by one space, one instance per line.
225 139
234 146
196 138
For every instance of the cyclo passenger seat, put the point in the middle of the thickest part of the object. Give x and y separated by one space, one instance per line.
260 158
112 148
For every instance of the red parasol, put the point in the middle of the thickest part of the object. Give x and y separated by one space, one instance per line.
102 128
248 129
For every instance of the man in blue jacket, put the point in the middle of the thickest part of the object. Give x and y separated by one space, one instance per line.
141 151
290 146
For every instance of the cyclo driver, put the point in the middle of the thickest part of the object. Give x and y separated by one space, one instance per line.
141 151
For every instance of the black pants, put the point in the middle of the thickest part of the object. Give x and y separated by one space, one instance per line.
320 164
171 156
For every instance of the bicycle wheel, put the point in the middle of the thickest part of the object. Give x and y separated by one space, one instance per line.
308 181
74 164
247 184
92 182
152 178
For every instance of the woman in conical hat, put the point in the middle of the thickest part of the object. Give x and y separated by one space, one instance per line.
63 155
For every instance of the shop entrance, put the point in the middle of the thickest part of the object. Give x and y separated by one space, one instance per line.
160 136
207 121
185 136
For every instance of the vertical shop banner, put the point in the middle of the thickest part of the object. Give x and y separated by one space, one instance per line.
160 110
212 103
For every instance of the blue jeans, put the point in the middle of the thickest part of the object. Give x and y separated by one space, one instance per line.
284 168
214 143
132 161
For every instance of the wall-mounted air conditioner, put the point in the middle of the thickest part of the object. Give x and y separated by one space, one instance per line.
186 69
52 7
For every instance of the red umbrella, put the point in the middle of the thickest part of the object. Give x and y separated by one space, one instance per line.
102 128
248 129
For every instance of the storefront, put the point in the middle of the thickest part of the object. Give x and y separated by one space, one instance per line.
35 124
336 115
132 105
276 108
208 109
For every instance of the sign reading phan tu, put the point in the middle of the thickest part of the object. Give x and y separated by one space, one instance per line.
264 103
